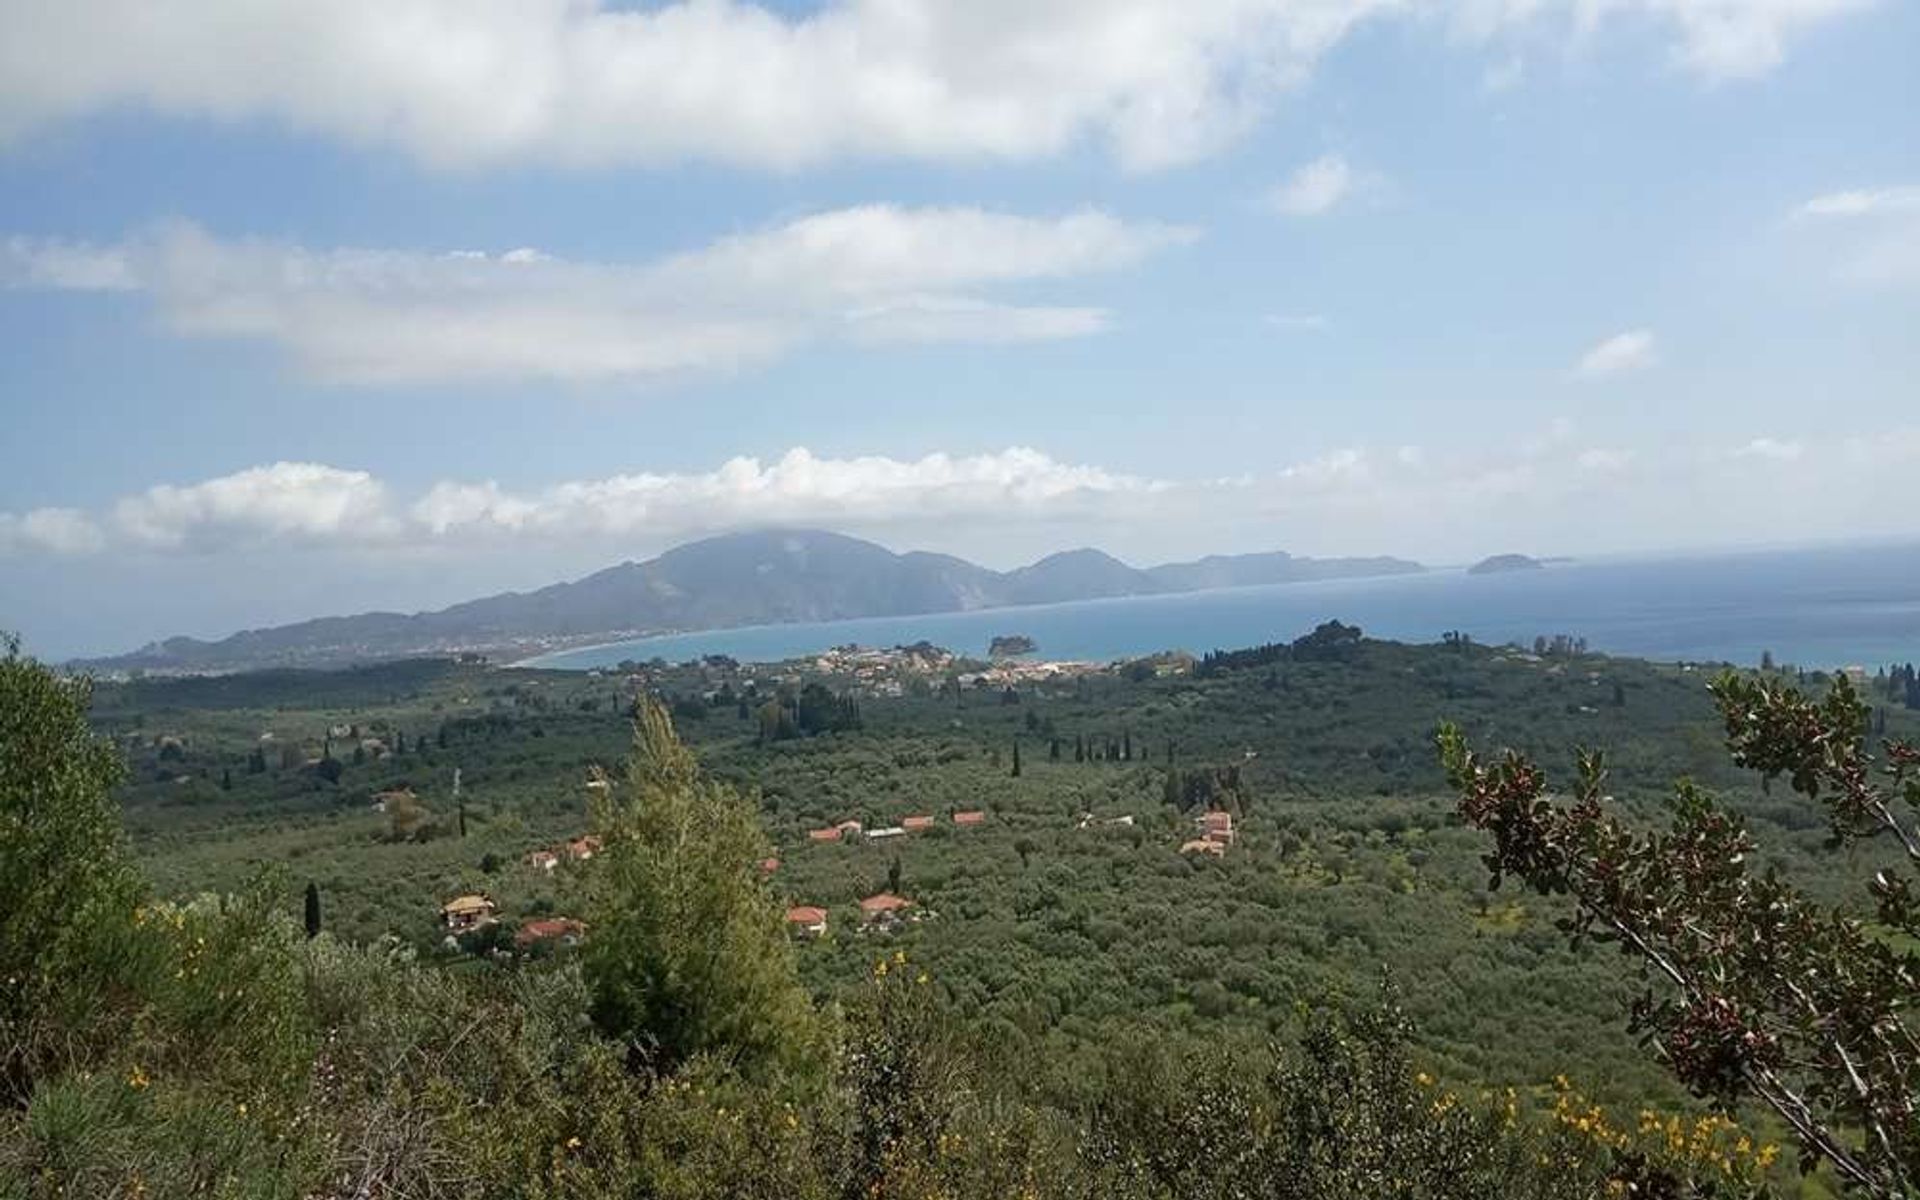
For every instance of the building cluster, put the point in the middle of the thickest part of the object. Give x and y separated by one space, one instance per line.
880 913
1016 672
1216 834
578 849
851 830
884 672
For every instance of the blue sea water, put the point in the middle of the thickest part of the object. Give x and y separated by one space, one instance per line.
1821 608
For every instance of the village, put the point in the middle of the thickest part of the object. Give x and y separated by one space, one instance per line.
883 912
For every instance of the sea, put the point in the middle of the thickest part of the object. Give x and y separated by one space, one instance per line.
1813 608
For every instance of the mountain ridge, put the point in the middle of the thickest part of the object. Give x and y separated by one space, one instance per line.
757 577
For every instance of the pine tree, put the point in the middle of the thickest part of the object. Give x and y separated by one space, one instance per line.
689 954
1016 758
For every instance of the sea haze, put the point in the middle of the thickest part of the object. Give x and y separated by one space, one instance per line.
1828 607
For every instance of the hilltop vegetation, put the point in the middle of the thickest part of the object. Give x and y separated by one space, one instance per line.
1050 935
204 1047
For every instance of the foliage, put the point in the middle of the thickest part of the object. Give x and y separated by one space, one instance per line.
688 955
248 1060
1750 987
66 888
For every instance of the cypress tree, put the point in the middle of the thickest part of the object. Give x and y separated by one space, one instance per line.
313 909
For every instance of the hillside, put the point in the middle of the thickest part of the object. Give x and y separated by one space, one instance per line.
755 578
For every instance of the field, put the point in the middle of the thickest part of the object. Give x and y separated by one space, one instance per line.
1045 935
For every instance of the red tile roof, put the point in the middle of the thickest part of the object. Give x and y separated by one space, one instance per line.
769 865
824 835
546 929
806 914
885 902
916 823
975 817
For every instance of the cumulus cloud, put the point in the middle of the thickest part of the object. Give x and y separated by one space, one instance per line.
866 275
1629 351
593 82
1314 189
294 503
286 501
63 531
1345 500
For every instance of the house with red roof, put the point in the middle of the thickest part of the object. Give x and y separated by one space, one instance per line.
564 931
1217 827
970 817
805 920
916 824
884 910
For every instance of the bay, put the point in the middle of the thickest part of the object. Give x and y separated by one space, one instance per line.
1818 608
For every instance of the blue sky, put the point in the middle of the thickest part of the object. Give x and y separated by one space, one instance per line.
314 308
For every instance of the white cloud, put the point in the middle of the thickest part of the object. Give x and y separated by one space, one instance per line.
291 503
1314 189
1422 501
65 531
1629 351
1872 233
588 82
284 501
1864 203
1735 39
64 266
871 274
1771 448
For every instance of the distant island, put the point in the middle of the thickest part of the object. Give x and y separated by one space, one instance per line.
1502 563
765 577
1011 645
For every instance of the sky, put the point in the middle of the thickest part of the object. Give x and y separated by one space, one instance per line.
310 308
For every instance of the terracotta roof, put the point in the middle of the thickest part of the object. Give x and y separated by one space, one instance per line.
806 914
769 865
584 847
974 817
916 823
824 835
547 928
885 902
1217 820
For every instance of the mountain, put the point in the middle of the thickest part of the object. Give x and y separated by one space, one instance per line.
1074 575
755 578
1502 563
